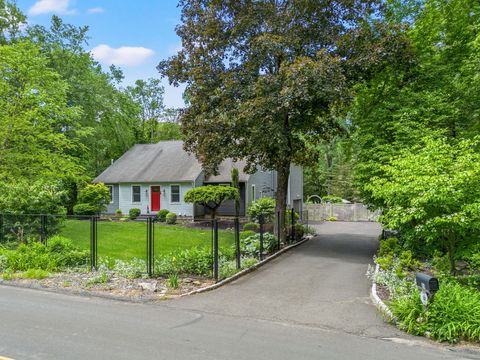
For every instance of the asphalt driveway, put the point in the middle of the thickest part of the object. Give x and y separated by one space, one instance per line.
322 283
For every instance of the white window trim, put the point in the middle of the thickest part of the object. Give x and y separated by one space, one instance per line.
112 193
179 194
137 202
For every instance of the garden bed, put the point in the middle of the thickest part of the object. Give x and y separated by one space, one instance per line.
112 285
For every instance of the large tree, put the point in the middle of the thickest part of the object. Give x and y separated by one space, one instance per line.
265 78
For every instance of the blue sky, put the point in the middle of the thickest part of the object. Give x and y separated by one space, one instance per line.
133 34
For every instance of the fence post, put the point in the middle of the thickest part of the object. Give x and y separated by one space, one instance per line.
150 235
292 231
215 249
93 243
261 221
43 229
237 242
279 229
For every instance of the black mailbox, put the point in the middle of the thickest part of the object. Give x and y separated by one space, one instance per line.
427 282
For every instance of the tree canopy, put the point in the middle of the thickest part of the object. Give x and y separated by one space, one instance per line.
211 196
276 68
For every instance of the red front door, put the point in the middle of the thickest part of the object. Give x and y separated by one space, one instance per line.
155 198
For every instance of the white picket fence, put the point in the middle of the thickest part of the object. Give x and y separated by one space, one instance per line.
342 212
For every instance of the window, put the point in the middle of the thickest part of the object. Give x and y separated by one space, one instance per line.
110 187
136 197
254 197
174 193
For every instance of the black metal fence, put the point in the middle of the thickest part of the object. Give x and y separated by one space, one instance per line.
220 246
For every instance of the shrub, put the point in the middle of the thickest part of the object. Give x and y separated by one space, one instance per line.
171 218
102 278
84 209
332 218
388 246
118 212
162 215
134 213
251 227
299 231
93 198
250 246
59 253
191 261
264 206
246 233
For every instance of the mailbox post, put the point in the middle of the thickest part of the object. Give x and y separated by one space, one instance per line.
428 286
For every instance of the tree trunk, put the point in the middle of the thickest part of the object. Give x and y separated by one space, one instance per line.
283 173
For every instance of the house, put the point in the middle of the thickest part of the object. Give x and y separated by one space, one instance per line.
156 176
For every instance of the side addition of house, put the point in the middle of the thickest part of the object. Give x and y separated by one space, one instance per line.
156 176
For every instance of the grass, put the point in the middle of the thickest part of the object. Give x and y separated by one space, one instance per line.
127 240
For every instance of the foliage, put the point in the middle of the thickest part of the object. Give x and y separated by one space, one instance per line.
331 218
133 213
264 206
236 184
453 315
34 106
171 218
58 254
332 199
92 199
388 246
246 233
299 231
211 196
432 194
172 281
84 209
102 277
118 212
131 269
251 227
162 215
247 77
189 261
35 274
250 246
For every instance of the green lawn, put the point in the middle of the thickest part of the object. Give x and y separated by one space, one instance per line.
127 240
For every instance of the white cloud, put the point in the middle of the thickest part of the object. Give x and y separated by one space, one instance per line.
96 10
124 55
51 6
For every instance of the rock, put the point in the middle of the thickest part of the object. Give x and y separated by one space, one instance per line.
146 286
187 280
197 283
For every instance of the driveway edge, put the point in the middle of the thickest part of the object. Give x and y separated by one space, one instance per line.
248 270
378 302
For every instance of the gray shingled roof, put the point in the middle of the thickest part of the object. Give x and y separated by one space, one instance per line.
162 162
225 169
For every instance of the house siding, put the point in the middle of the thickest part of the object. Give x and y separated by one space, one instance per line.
228 207
114 205
264 182
295 188
181 208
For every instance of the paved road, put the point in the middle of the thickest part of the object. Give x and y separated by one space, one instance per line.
311 303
